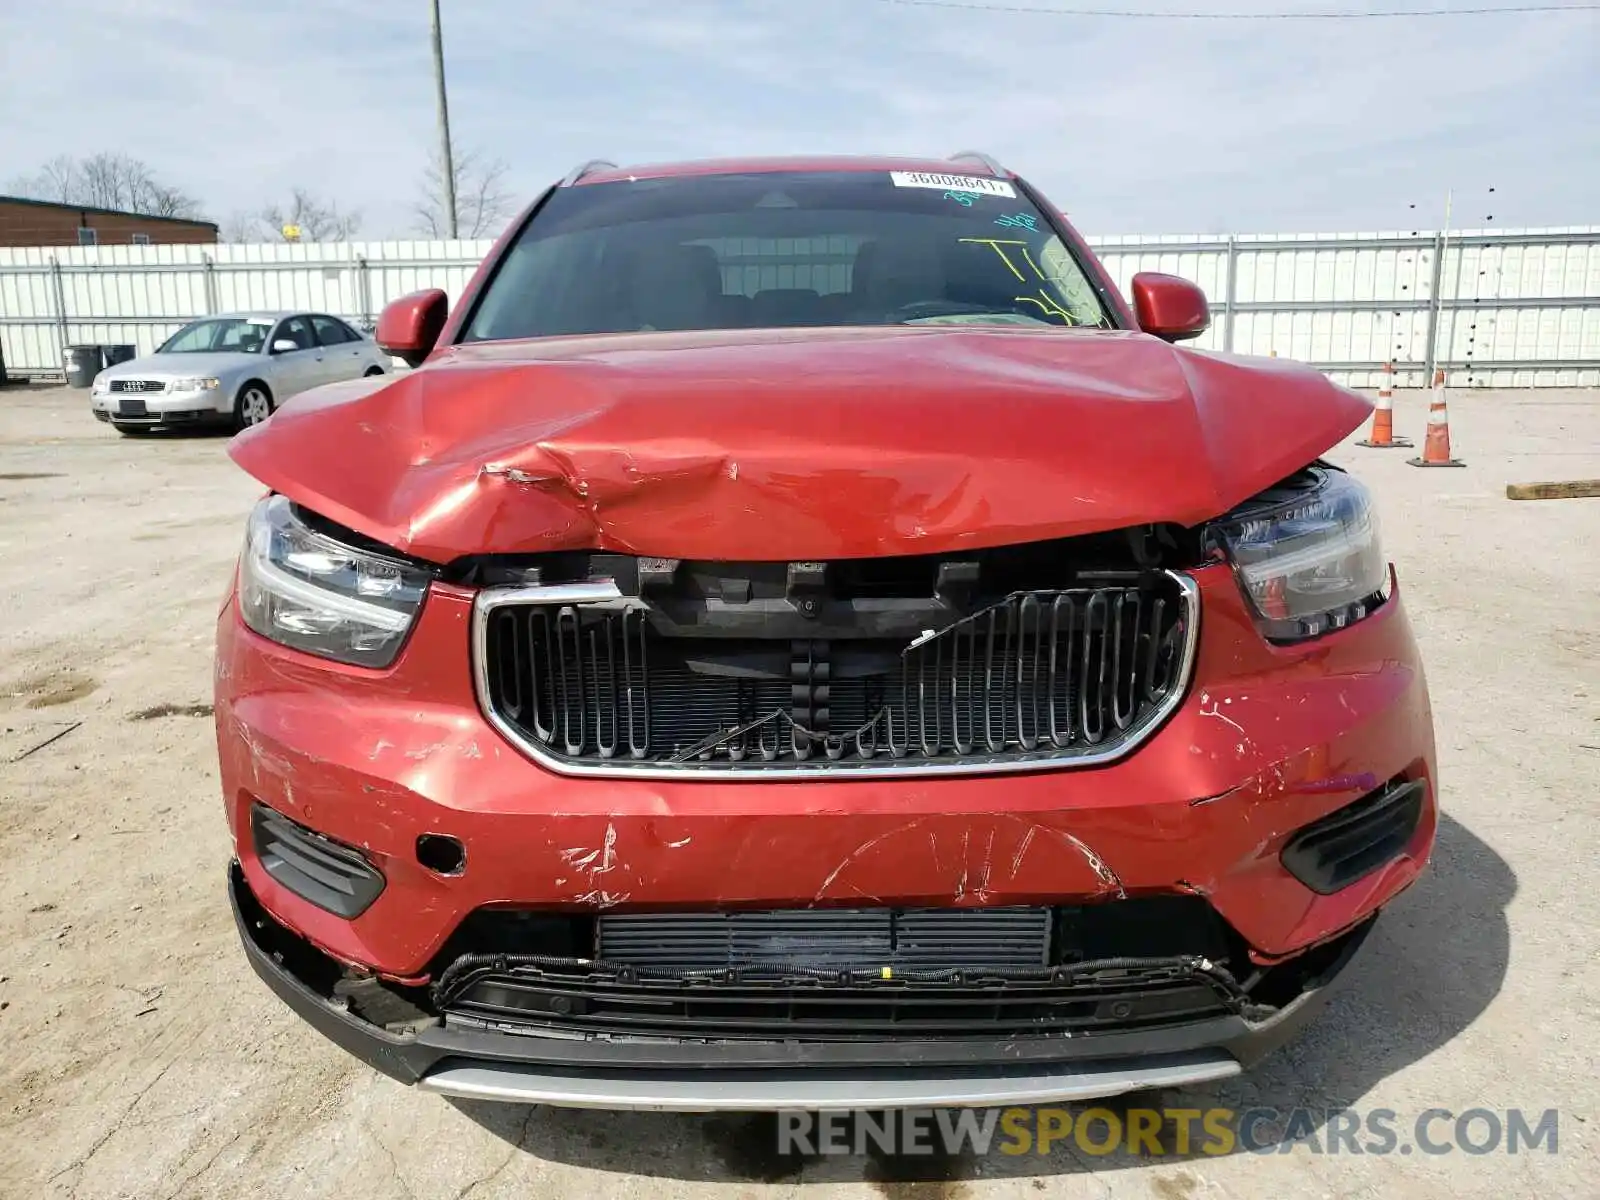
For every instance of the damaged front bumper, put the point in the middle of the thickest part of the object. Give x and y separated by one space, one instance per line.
479 1063
1280 768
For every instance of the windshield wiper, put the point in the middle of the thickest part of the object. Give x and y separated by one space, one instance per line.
999 316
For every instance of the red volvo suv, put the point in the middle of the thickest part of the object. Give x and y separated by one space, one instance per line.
799 637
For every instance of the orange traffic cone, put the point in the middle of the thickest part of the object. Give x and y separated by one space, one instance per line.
1382 435
1436 449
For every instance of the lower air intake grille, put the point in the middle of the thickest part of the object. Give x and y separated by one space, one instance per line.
330 875
869 938
555 998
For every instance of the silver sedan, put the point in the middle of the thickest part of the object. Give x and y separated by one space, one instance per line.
232 369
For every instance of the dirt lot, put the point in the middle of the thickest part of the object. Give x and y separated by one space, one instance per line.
143 1058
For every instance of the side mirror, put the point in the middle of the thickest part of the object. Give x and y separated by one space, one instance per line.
1168 307
409 327
285 346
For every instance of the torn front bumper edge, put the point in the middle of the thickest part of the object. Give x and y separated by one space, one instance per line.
769 1076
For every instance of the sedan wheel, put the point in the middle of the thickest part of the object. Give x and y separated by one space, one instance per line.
254 406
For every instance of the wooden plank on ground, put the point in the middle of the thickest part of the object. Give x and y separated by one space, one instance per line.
1571 489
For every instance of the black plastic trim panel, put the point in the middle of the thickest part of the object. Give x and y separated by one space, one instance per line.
269 946
1358 839
330 875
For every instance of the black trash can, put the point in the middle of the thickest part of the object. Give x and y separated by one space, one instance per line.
82 364
118 354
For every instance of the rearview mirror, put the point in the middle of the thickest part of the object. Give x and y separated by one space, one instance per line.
285 346
1168 307
409 327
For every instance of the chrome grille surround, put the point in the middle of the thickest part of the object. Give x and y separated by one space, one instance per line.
626 757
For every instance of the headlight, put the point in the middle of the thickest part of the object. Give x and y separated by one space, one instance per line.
101 386
1307 554
305 589
194 385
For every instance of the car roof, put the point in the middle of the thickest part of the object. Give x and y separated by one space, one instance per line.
248 315
258 315
966 163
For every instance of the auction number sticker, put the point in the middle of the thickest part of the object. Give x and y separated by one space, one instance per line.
954 183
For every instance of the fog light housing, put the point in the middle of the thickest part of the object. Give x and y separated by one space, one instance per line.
321 871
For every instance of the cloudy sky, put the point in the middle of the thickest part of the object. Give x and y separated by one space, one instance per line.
1132 125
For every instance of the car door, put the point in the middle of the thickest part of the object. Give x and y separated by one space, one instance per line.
295 370
343 354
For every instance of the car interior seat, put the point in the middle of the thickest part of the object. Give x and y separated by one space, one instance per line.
676 287
890 273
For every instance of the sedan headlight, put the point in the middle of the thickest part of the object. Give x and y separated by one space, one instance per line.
307 590
101 386
195 384
1307 554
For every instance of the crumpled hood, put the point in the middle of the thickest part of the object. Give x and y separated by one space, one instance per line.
795 444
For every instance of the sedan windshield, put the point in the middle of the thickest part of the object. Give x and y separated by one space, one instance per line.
767 250
219 335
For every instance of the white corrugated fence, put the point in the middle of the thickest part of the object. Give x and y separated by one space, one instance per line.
1501 308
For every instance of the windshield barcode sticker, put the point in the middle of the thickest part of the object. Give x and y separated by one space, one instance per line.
953 183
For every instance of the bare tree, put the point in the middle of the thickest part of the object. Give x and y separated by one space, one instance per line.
162 200
482 203
58 179
29 187
239 227
108 180
318 220
116 181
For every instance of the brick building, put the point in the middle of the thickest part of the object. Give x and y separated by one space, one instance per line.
46 223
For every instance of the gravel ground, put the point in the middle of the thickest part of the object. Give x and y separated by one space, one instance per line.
146 1060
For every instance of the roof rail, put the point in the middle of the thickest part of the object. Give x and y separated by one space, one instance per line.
979 156
582 169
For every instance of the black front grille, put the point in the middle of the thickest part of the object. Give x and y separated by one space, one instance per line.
567 998
138 385
928 939
1036 676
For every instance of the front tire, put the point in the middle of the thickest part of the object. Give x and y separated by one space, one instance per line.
253 405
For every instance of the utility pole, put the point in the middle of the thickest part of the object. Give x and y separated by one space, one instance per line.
447 163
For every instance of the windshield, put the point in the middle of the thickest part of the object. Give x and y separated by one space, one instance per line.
241 335
782 250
